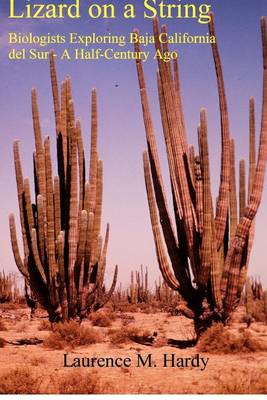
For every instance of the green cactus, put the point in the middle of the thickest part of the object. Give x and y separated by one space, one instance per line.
64 258
209 249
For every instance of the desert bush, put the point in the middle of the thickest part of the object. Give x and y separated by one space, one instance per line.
36 361
102 319
44 325
2 342
21 327
80 383
2 326
13 306
126 335
241 382
218 339
126 307
257 310
70 335
19 381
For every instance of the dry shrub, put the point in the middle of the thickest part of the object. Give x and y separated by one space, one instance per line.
2 326
19 381
44 325
242 382
2 342
257 311
21 327
70 335
148 308
126 307
126 335
13 306
217 339
102 319
77 382
36 361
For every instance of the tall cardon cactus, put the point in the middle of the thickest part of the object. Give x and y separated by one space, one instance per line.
205 256
64 255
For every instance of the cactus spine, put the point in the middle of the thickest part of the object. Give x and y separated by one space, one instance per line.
206 257
64 258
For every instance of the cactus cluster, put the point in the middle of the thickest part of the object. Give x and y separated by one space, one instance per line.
64 254
9 290
205 254
138 292
165 295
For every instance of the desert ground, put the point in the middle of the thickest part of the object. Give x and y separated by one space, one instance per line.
43 365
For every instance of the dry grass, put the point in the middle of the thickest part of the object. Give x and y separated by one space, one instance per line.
44 325
2 342
242 382
217 339
126 335
71 335
2 326
13 306
257 311
19 381
22 327
77 382
126 307
102 319
36 361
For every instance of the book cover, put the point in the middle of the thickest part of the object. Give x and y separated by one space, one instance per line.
133 220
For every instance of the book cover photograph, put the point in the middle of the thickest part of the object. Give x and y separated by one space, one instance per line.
133 212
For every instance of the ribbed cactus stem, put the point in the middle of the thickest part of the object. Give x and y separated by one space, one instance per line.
233 198
64 258
208 254
242 188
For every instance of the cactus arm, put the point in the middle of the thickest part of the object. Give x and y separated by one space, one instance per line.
73 216
162 257
82 239
199 194
57 208
233 198
53 74
205 266
63 129
242 188
50 212
98 212
40 160
40 226
13 234
60 255
93 152
234 257
20 192
252 149
36 256
102 260
102 300
165 219
192 163
81 166
28 205
181 167
222 204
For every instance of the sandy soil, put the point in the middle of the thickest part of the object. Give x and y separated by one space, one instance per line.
223 373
